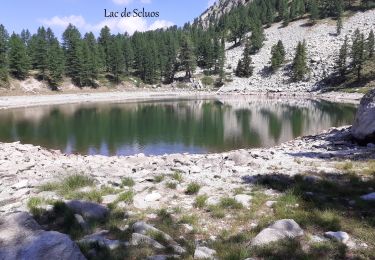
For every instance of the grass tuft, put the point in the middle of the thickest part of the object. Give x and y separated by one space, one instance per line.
192 188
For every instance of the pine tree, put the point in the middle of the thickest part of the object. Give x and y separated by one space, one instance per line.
277 55
72 45
91 62
371 44
128 55
221 64
3 56
314 11
244 68
341 62
39 54
358 52
187 57
19 63
116 58
339 25
105 41
257 37
300 67
55 56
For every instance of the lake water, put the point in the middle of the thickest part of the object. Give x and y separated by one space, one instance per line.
171 126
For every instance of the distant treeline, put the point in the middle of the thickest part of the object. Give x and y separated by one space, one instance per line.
153 56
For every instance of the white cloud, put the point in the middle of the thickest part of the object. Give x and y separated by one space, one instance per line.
78 21
117 25
160 24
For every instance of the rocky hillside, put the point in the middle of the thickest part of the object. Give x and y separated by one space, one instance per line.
322 43
219 8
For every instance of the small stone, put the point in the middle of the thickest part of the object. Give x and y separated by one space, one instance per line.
139 239
281 229
108 199
212 201
270 203
204 253
244 199
339 236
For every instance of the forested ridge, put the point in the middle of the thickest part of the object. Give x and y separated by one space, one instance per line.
156 56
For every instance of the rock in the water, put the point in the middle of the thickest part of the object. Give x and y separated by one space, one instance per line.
340 236
21 237
139 239
370 196
88 209
204 253
243 199
364 125
281 229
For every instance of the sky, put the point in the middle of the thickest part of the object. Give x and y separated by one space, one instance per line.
88 15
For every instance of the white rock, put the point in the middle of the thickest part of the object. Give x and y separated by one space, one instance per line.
270 203
244 199
108 199
139 239
213 201
281 229
154 196
204 253
364 124
339 236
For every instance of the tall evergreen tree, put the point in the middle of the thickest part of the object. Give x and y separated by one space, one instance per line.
19 63
187 57
371 44
116 58
72 45
300 67
105 41
277 55
341 62
257 37
3 55
314 11
244 67
55 64
358 52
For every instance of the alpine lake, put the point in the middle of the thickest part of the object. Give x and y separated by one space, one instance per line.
170 126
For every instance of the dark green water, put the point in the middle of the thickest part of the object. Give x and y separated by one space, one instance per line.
174 126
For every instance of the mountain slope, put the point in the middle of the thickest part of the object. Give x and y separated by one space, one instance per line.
322 44
219 8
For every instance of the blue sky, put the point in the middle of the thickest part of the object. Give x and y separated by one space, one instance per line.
88 15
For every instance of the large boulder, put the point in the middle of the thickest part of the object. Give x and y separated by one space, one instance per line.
364 125
22 238
281 229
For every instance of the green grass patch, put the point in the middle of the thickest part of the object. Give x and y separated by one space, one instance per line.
200 201
127 182
177 176
159 178
192 188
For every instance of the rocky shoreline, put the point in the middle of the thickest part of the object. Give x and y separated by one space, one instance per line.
25 167
8 102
